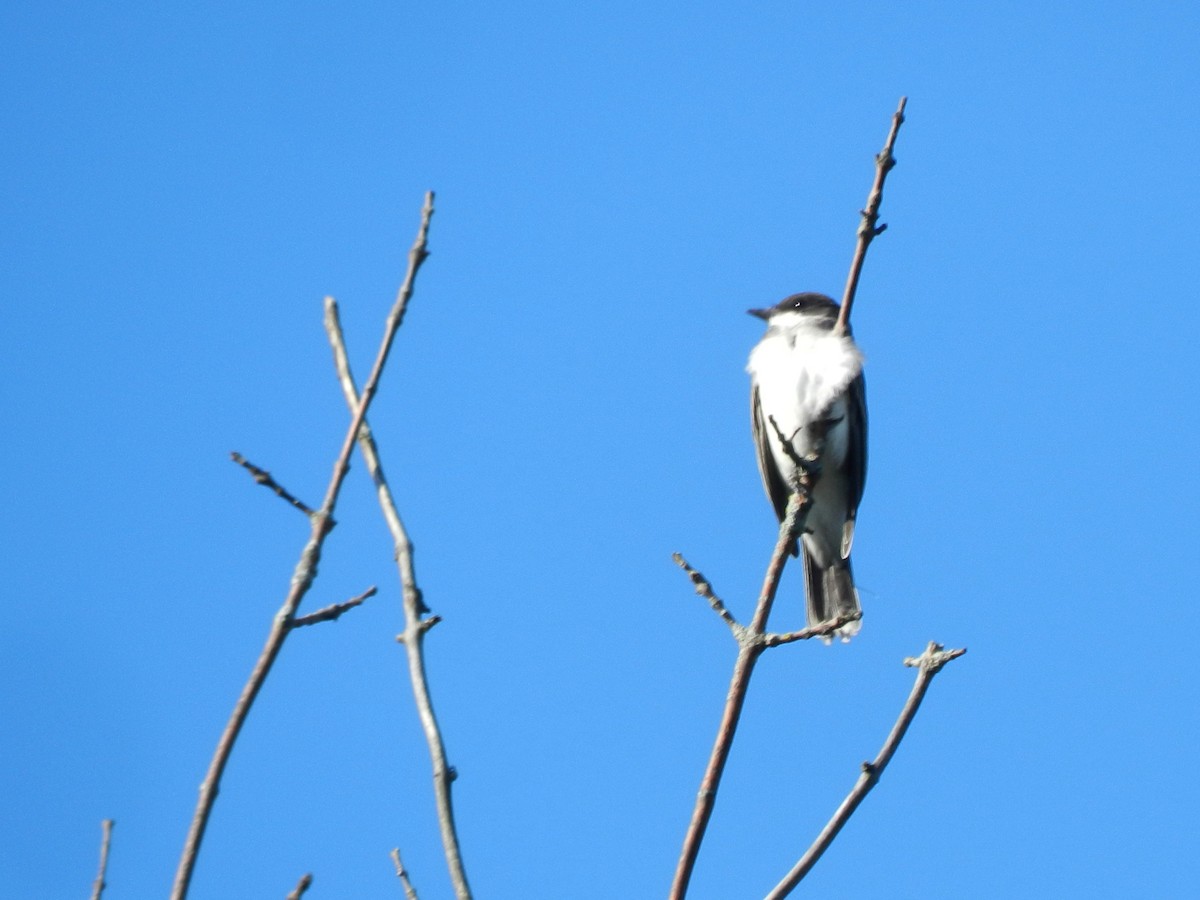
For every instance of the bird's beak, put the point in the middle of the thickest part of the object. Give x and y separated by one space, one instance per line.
763 314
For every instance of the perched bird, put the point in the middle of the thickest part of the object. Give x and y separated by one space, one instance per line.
808 379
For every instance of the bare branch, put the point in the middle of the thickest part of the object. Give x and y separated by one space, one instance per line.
753 640
867 229
933 659
825 629
410 892
751 644
263 477
804 479
927 664
301 886
106 828
415 627
705 590
785 441
332 612
305 571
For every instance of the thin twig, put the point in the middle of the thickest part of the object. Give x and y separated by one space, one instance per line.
305 571
301 886
334 611
263 477
785 443
825 629
867 229
751 644
705 589
410 892
415 627
423 626
106 828
927 665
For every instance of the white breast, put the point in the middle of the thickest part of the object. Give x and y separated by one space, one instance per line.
801 373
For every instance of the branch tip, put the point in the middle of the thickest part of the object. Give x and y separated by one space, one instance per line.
302 885
263 477
98 886
704 589
427 624
410 893
867 231
334 611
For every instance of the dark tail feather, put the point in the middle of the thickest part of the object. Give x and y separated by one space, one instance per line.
830 593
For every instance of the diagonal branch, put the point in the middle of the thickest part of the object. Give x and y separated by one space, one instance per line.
301 887
263 477
751 643
825 629
98 886
415 628
927 665
333 611
305 572
705 589
867 229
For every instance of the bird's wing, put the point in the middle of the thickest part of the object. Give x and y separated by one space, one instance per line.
773 482
854 467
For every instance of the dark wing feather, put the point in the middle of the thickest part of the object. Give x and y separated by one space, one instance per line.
855 465
776 487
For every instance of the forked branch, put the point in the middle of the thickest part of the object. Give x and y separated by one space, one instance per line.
752 640
267 480
321 521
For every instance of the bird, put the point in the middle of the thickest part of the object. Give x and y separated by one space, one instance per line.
807 385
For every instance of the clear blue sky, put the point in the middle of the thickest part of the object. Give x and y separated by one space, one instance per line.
567 405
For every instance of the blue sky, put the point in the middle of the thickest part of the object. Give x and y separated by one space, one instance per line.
566 406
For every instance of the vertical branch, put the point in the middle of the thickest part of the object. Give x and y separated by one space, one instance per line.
410 892
754 639
927 665
305 572
867 230
99 884
415 627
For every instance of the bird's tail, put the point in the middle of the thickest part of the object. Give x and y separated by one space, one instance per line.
830 593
